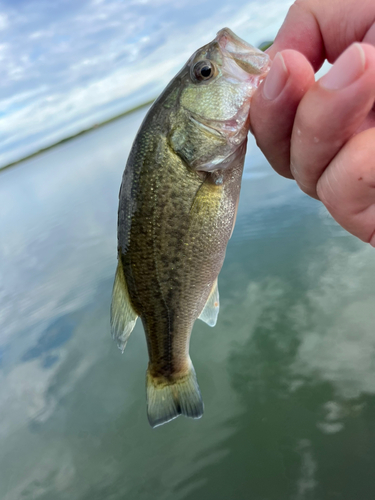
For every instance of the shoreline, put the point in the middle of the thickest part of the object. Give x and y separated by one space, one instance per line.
82 132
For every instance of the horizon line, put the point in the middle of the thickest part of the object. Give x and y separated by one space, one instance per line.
73 136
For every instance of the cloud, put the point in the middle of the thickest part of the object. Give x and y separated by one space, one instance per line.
3 21
81 62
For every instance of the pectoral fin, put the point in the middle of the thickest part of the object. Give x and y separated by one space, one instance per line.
123 316
211 309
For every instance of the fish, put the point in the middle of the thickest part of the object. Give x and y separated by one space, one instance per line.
177 208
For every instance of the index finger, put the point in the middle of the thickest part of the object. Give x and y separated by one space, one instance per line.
322 29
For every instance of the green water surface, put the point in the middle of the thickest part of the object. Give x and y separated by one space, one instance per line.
287 375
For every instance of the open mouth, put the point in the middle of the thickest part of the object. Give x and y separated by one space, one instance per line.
248 59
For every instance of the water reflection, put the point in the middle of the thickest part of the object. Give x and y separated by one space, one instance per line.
51 339
287 375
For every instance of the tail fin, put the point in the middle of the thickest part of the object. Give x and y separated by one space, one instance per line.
167 400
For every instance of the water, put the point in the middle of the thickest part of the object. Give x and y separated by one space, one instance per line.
287 375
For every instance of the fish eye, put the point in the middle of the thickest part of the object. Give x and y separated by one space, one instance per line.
204 70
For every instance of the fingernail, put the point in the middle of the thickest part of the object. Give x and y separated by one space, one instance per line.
276 79
346 70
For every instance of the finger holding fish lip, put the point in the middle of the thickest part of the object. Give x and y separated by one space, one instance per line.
301 125
331 147
274 106
314 29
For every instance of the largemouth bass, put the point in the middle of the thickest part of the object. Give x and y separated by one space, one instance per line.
177 208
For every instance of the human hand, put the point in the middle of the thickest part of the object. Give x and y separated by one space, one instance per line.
322 133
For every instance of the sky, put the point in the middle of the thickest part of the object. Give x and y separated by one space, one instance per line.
66 65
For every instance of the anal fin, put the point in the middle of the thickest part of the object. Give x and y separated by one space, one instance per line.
211 308
123 316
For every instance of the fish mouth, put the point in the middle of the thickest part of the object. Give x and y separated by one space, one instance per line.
249 60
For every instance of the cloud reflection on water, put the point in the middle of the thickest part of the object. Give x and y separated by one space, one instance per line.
337 320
